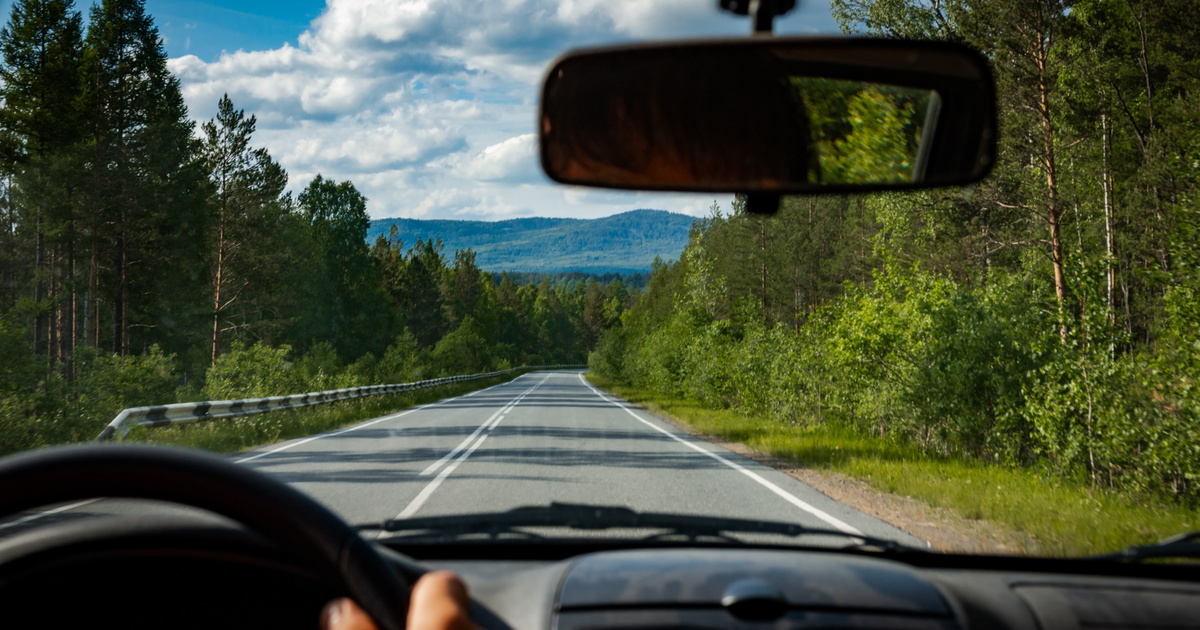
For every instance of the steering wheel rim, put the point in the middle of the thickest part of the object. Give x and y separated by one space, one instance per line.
275 510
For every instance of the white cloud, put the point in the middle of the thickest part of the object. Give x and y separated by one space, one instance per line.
428 106
513 160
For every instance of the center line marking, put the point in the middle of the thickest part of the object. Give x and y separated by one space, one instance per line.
437 481
487 424
783 494
428 490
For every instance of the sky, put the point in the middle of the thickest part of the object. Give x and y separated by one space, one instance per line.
428 106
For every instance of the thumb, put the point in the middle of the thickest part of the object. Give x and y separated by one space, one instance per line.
344 614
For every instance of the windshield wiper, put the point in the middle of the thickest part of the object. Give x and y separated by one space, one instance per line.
601 517
1181 546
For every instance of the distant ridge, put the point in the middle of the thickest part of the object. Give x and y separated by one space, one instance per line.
621 243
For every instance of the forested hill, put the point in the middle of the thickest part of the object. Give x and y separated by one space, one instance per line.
622 243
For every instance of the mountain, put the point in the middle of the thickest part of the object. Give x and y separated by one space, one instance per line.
621 243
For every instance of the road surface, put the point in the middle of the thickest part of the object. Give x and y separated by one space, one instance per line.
542 437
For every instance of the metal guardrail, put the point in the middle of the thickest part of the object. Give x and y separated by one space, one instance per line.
187 413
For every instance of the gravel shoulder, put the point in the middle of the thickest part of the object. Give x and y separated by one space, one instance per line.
943 529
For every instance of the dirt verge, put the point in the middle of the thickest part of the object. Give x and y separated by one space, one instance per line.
941 528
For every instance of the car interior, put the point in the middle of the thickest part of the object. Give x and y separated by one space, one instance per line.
250 551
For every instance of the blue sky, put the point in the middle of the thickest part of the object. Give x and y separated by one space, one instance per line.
426 105
206 29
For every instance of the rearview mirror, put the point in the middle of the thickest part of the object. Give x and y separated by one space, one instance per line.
769 116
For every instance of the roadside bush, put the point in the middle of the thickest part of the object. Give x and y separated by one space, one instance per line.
403 362
19 427
19 371
1130 421
321 369
608 359
107 383
462 351
656 360
252 372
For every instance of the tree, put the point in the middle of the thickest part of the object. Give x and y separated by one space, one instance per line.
247 191
41 86
460 289
148 187
423 306
352 312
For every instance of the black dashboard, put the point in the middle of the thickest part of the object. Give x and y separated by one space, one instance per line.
748 588
163 573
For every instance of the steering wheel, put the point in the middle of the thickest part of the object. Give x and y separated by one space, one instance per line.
276 511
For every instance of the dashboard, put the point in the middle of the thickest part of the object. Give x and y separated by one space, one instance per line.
172 572
736 588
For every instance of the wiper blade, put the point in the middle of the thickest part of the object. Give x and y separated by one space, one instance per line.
1182 546
601 517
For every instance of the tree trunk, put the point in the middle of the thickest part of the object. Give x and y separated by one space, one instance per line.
71 305
54 317
1054 211
39 289
120 320
1109 245
91 323
762 248
217 279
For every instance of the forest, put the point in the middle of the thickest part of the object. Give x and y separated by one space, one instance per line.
1047 317
144 260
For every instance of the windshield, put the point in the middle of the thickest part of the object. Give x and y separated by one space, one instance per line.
351 229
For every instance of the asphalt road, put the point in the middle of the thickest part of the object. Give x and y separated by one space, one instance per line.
542 437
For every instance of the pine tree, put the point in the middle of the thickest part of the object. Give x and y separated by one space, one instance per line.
355 305
246 204
148 187
41 47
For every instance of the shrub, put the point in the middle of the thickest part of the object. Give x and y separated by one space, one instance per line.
462 351
608 359
107 383
253 372
403 362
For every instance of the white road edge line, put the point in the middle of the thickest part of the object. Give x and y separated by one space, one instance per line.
356 427
785 495
34 517
428 490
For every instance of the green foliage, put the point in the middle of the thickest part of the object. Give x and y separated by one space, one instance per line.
145 263
1046 318
108 383
608 359
463 350
253 372
1053 515
403 362
350 308
863 133
915 357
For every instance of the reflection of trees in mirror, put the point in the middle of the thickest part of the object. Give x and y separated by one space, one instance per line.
863 133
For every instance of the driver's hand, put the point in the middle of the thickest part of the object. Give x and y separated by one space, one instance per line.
439 602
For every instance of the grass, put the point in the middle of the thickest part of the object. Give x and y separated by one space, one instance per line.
1064 518
240 434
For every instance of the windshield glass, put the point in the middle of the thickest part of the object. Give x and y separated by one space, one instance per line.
335 261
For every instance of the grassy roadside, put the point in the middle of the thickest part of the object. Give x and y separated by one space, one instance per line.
240 434
1065 519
